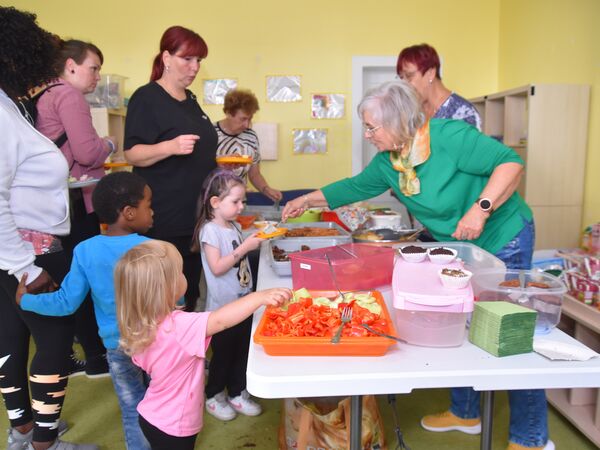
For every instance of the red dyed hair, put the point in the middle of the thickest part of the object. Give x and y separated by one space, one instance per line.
423 56
178 39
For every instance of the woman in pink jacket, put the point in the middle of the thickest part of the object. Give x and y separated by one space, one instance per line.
63 115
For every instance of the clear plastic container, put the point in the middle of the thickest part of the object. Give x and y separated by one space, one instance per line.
356 267
109 92
342 237
547 301
284 268
474 258
431 329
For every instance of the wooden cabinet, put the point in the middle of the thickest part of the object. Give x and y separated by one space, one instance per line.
547 125
580 406
110 122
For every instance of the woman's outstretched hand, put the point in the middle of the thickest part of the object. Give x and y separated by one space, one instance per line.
293 208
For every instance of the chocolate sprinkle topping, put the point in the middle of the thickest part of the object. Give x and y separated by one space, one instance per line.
413 249
454 272
440 251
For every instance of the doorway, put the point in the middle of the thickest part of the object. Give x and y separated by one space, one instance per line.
369 71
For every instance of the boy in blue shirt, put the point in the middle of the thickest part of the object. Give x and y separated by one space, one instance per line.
122 200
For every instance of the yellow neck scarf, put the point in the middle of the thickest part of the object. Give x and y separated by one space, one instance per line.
419 151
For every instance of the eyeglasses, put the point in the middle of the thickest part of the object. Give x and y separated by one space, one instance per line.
371 130
407 76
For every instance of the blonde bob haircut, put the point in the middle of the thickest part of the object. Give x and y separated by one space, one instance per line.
146 283
396 107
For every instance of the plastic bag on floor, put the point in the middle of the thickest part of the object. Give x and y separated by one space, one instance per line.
323 423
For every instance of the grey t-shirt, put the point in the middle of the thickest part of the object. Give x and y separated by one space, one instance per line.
237 281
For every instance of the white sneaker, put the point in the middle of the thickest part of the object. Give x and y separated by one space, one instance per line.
217 406
245 405
549 445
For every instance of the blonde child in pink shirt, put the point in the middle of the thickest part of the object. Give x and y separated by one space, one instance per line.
170 344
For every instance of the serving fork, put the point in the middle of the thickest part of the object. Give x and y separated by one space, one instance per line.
346 317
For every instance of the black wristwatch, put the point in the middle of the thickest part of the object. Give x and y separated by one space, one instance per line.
485 204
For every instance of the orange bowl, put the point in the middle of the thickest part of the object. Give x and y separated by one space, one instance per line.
245 221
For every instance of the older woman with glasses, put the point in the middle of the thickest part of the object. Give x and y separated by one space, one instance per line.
420 66
236 137
461 185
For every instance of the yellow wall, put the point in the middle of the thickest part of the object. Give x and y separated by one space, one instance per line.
250 39
556 41
499 44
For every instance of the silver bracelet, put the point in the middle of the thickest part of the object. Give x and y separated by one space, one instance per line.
112 146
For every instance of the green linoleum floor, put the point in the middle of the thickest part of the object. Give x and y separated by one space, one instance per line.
92 412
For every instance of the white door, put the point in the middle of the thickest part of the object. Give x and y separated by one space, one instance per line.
369 71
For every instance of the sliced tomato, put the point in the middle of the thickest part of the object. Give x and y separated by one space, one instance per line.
304 318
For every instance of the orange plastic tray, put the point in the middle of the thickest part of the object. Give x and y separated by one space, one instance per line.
234 159
276 233
322 346
110 165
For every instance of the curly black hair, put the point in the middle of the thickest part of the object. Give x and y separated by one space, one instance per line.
27 53
114 192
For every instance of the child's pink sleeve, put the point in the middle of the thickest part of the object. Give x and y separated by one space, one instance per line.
190 332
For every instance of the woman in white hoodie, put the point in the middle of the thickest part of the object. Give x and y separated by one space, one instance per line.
34 212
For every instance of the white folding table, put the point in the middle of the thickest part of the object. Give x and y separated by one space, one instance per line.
406 367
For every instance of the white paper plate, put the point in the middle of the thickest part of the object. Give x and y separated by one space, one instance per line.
85 183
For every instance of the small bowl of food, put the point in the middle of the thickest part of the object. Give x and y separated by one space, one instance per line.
261 224
455 278
245 221
441 255
413 253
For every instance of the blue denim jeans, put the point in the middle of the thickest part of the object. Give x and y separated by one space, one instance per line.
130 384
528 408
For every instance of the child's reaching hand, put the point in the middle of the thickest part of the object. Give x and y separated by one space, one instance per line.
275 296
233 313
252 242
21 289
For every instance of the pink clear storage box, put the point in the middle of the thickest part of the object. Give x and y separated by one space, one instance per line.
356 267
426 312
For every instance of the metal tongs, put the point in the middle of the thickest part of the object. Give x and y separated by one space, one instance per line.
334 278
345 251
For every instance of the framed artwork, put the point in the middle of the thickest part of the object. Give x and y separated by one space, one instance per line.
215 90
284 88
327 106
309 141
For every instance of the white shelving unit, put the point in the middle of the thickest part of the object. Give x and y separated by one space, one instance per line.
110 122
581 406
547 125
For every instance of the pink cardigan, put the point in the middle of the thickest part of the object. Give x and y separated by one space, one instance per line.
63 108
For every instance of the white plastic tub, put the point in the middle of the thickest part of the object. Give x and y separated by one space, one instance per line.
431 329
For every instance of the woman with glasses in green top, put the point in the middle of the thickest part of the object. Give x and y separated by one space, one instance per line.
460 184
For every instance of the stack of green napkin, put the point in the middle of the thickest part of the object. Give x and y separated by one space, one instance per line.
502 328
